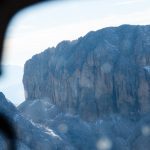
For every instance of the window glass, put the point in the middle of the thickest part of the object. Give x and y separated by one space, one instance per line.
77 75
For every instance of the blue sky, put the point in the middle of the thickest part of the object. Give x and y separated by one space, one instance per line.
45 25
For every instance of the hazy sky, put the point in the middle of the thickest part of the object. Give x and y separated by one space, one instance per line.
45 25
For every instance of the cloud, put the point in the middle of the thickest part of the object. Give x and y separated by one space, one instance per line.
128 2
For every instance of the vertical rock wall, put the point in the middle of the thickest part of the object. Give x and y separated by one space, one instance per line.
106 71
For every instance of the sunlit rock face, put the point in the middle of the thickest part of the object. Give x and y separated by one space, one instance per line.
104 72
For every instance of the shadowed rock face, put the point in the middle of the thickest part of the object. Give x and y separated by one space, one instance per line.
29 136
60 131
113 132
104 72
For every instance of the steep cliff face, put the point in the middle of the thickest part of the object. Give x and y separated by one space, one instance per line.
104 72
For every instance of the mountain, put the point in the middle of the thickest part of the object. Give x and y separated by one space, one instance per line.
92 93
29 136
105 72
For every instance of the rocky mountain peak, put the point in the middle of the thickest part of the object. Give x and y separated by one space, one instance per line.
104 72
92 93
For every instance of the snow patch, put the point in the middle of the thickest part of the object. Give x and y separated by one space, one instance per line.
45 129
51 132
